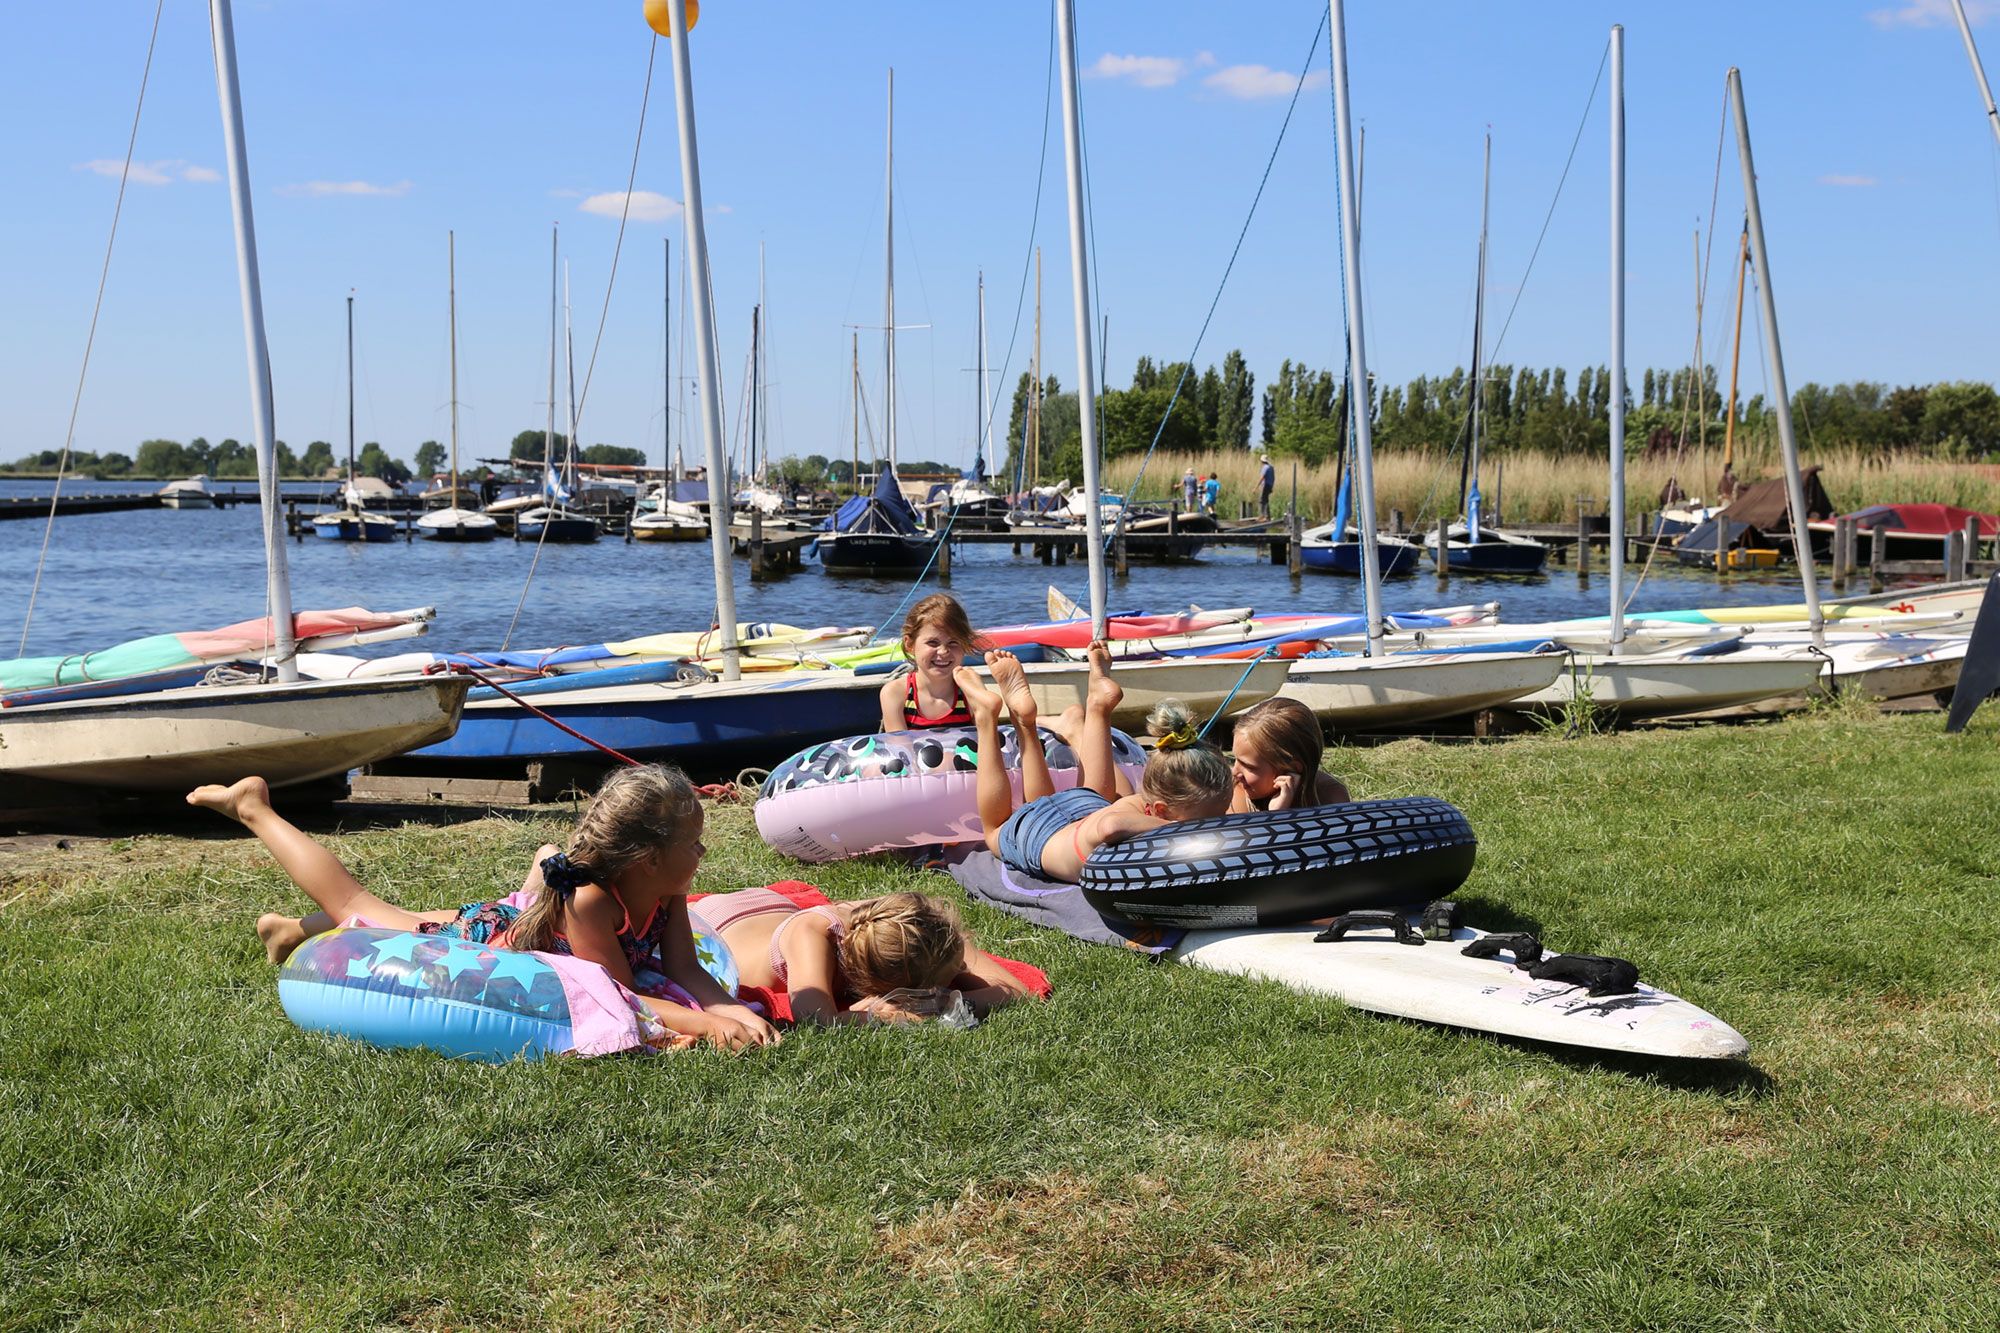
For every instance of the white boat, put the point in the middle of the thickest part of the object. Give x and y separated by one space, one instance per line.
1675 682
671 521
1879 667
171 740
191 493
1361 694
452 522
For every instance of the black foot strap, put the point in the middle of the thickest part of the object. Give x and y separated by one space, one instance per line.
1337 929
1604 976
1527 950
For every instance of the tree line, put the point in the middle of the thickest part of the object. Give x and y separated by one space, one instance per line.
1524 409
234 459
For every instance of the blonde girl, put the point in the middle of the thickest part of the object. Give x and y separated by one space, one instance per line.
936 637
1053 833
1277 753
614 898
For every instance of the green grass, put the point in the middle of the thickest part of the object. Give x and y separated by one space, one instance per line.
1153 1147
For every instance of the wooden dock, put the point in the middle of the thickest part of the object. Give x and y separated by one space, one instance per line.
37 506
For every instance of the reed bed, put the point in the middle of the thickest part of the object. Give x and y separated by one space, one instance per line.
1546 488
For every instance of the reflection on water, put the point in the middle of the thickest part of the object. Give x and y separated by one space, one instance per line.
117 576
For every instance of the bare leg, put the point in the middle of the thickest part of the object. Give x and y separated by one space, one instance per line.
995 792
1094 750
1069 726
312 867
1013 682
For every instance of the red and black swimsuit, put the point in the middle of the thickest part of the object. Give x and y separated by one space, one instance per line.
959 716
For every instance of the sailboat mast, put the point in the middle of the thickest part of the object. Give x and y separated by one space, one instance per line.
451 290
351 497
758 403
1617 497
569 389
1781 397
1471 497
1978 70
756 318
1079 266
667 469
854 477
702 300
889 275
263 423
985 421
549 432
1035 389
1736 351
1357 343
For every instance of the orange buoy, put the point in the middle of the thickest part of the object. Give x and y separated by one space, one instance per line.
660 16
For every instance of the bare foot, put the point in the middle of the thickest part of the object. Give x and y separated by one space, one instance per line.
239 801
1013 683
281 934
1105 693
984 703
1068 724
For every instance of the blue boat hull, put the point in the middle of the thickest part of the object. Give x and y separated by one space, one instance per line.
705 733
572 530
866 552
352 531
1494 557
1345 558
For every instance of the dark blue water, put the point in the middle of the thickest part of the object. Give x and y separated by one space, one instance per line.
111 577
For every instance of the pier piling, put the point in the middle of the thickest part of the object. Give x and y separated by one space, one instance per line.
1878 554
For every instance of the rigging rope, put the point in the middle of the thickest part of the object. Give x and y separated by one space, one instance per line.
1242 234
90 339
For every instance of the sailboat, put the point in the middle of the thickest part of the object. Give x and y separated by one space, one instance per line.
352 522
453 524
288 730
1335 547
663 516
880 531
1469 546
552 520
969 504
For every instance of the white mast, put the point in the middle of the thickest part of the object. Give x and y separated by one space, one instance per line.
451 289
263 423
889 275
1357 343
353 496
569 389
702 301
985 406
1781 396
549 431
1617 496
1079 267
1479 346
1978 70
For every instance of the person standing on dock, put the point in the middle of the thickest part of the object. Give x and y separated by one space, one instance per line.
1211 492
1267 477
1190 489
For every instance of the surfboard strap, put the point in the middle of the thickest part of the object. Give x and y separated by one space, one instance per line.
1336 929
1600 974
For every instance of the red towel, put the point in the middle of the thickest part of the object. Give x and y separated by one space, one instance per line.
778 1004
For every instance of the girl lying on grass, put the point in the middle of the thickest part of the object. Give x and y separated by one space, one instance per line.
1054 833
900 957
1276 760
615 898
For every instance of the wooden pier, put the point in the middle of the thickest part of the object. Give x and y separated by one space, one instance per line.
37 506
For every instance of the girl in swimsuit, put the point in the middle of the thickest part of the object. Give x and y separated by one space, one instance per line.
893 959
936 637
1053 833
616 898
1277 753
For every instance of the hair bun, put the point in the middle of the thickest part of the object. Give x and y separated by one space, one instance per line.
564 876
1168 719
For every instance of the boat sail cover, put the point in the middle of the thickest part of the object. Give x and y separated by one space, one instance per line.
247 640
1932 519
885 512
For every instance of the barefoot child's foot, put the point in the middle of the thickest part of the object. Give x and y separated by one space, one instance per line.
983 702
239 801
1067 724
1105 693
1013 686
281 935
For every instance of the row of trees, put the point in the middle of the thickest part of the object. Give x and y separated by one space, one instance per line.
1524 409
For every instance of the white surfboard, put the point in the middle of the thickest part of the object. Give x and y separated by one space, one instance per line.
1435 983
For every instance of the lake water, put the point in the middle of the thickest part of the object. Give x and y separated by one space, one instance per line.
111 577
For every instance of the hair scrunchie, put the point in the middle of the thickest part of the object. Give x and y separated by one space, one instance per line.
564 876
1178 740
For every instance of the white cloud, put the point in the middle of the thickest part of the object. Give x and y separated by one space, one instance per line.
646 206
1251 82
1146 71
333 189
1852 181
164 172
1932 13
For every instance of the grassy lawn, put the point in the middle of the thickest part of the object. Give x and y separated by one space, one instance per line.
1154 1147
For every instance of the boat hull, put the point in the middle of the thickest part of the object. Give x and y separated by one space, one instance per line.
568 531
1358 694
1345 558
668 532
338 529
172 740
1205 686
1637 687
866 552
704 725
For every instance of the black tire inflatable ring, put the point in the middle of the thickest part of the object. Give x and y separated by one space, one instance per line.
1269 868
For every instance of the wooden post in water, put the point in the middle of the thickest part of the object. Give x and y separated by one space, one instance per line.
1295 562
1878 554
1443 553
1954 556
1499 479
1841 553
1395 525
756 544
1971 545
944 558
1119 565
1582 543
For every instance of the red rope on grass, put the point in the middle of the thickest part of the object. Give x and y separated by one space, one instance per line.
563 727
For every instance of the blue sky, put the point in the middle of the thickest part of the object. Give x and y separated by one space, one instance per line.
376 125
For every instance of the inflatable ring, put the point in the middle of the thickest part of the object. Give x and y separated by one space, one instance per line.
900 789
1272 867
402 988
